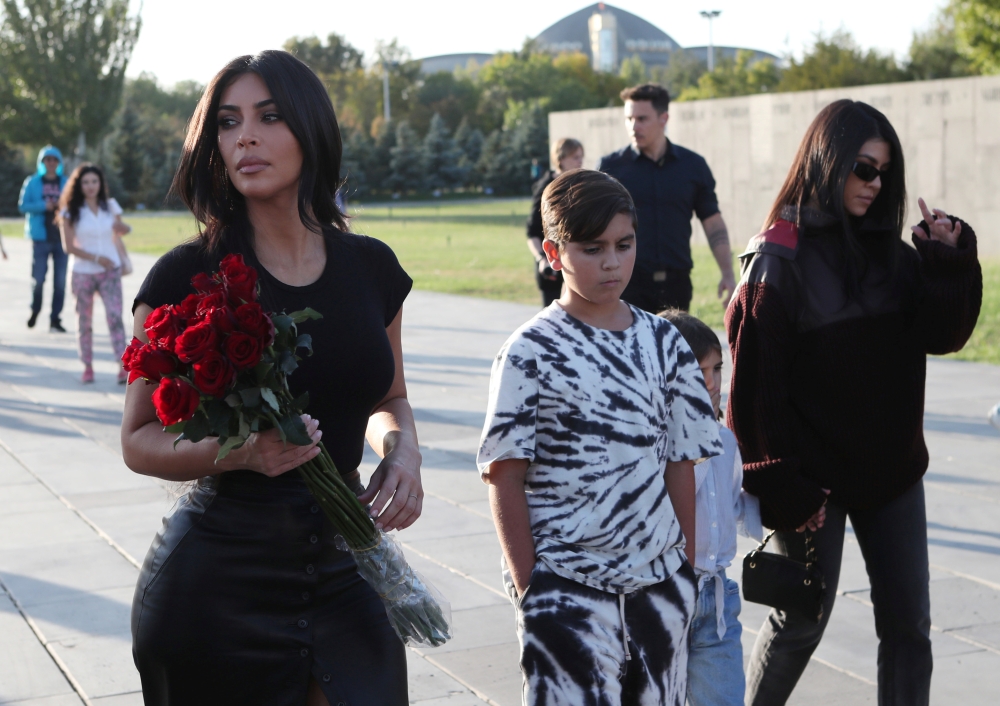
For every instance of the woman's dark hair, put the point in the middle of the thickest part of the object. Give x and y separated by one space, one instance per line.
822 166
699 337
579 204
72 199
202 182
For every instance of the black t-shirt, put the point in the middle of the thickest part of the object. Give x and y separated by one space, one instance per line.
51 190
359 294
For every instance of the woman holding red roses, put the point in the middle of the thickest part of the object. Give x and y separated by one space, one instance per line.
243 597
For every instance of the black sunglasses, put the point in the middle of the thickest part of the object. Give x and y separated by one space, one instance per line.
867 173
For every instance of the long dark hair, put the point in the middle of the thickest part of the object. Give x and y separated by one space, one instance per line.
72 199
202 182
821 168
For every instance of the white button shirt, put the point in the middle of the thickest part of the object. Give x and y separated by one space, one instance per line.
95 235
722 508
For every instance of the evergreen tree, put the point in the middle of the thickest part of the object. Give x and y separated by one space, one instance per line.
377 170
442 157
127 156
977 28
470 141
358 149
489 166
935 54
12 173
408 171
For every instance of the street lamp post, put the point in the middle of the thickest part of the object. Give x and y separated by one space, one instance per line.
710 15
386 111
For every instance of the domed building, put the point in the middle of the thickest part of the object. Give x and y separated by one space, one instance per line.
607 35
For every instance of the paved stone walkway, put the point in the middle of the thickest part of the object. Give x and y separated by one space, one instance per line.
75 523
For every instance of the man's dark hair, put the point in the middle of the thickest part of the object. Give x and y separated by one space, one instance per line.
652 92
579 204
201 180
700 338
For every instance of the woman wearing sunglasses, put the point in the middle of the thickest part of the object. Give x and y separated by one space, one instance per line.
830 328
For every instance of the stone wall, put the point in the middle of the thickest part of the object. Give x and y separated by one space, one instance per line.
949 129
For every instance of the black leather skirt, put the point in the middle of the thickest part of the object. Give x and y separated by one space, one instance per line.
243 596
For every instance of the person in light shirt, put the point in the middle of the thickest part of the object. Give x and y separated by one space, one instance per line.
89 222
722 509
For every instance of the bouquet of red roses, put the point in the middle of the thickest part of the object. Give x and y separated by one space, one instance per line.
221 366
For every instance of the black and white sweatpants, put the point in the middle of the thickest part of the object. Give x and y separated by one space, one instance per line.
580 645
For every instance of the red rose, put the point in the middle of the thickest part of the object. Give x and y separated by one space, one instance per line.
205 283
215 300
162 326
222 318
240 279
196 341
213 374
134 345
151 362
175 401
250 318
188 308
243 350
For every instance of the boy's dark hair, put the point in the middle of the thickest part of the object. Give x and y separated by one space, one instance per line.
652 92
696 332
579 204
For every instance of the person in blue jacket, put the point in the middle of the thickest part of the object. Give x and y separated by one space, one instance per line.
39 202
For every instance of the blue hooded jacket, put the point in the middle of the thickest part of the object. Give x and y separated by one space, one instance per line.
31 202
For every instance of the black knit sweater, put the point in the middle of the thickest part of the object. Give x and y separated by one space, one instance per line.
828 388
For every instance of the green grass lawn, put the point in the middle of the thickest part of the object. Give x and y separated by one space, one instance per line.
478 249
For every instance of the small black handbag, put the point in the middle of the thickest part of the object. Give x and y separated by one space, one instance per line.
783 583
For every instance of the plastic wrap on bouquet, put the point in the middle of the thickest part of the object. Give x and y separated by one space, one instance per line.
419 614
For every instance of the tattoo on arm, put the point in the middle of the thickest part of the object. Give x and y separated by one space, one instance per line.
717 236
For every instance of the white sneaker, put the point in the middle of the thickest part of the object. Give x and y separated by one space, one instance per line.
994 415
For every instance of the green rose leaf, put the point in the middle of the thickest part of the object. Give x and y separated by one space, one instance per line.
251 396
230 443
269 397
295 430
306 314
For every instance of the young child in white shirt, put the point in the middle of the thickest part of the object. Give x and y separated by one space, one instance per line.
597 413
722 508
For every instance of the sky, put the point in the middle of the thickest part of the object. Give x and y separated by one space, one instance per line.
192 39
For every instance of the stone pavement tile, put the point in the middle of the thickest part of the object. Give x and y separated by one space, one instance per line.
442 519
460 592
42 529
70 699
131 699
102 665
960 603
26 669
461 699
477 555
968 679
428 683
79 616
12 472
23 499
62 570
478 627
493 670
462 486
134 525
988 635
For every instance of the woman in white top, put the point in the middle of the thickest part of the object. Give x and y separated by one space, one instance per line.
90 221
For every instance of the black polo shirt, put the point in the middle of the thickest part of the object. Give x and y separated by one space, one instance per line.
665 193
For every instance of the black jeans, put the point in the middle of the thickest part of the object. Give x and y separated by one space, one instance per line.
893 542
550 289
656 291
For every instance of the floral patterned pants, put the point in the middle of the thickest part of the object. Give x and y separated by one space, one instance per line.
109 285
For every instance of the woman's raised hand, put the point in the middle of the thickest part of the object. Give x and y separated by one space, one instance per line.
267 454
398 478
942 229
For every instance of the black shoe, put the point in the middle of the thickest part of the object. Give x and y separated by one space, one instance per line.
33 319
56 327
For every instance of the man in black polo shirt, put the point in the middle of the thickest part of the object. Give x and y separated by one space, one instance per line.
668 184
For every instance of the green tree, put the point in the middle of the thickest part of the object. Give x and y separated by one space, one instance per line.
633 71
681 72
741 76
12 173
408 171
65 64
358 150
470 140
337 62
934 53
127 156
442 157
977 28
837 60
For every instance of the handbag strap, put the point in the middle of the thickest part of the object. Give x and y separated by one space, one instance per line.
810 547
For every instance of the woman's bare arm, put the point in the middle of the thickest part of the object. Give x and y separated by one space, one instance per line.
392 433
148 450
